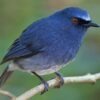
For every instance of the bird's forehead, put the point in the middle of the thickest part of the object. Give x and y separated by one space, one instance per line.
82 15
79 13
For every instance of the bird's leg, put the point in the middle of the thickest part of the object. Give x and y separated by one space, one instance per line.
44 82
5 75
60 80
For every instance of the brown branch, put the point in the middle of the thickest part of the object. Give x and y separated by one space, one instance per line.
76 79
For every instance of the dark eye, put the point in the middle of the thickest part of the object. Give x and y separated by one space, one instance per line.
75 20
79 21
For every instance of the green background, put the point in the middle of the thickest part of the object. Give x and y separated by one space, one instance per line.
15 15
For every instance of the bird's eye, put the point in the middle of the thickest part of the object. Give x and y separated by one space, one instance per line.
79 21
75 20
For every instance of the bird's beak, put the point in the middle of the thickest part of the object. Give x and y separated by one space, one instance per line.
91 24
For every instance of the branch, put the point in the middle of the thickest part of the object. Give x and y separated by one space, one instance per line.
6 93
52 83
89 78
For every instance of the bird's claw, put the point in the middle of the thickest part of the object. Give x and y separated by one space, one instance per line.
60 80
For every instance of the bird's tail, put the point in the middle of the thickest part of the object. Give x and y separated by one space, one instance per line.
5 75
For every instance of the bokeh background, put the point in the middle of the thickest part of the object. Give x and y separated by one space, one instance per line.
15 15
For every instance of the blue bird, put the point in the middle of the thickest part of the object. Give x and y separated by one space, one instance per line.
46 45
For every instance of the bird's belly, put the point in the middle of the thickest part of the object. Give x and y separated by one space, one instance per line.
44 64
40 64
49 70
39 71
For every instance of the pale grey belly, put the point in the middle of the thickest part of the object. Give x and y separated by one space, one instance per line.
43 63
40 64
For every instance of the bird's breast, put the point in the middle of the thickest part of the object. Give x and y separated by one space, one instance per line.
63 51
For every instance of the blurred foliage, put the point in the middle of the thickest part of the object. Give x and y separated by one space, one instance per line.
15 15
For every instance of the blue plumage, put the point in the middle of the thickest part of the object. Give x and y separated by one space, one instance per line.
46 32
49 43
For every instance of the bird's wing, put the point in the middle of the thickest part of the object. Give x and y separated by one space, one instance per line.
20 50
34 39
27 44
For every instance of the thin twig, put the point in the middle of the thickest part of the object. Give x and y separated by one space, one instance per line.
6 93
89 78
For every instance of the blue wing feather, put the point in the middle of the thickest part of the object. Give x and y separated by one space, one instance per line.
25 46
18 50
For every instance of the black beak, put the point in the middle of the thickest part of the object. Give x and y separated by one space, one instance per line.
91 24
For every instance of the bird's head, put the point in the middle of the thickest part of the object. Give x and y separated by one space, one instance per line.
79 17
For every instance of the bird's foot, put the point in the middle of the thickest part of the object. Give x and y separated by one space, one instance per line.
46 86
60 80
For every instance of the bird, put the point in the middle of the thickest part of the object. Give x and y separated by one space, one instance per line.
49 43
